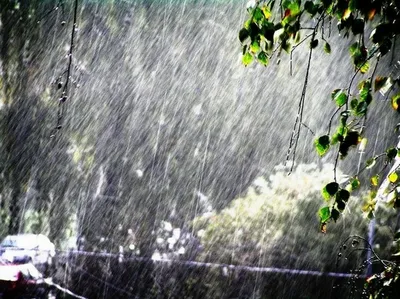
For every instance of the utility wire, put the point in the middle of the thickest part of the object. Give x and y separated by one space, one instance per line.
216 265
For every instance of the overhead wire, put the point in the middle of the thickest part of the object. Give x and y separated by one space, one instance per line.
215 265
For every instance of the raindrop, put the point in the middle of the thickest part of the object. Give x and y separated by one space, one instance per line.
63 99
62 23
59 85
344 246
339 254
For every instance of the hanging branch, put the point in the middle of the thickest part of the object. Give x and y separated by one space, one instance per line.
65 90
55 8
294 48
294 138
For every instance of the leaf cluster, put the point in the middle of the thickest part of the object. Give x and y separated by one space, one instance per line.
266 32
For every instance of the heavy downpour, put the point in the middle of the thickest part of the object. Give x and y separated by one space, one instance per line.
199 149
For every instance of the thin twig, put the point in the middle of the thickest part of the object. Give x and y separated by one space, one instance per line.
64 94
294 48
294 138
307 127
335 166
331 119
48 13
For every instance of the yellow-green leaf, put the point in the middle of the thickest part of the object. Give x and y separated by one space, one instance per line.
393 177
327 48
247 59
375 180
255 46
364 68
266 11
396 102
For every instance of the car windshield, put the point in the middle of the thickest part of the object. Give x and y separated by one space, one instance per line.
23 241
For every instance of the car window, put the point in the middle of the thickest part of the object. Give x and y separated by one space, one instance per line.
21 241
8 242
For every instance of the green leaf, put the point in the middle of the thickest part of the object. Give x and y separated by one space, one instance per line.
368 98
268 30
337 137
344 149
341 205
354 49
313 43
343 195
247 24
322 144
364 86
381 31
354 4
247 59
267 12
263 58
253 30
352 138
243 35
357 27
355 183
258 15
331 188
365 91
335 214
391 153
324 214
353 104
364 67
396 102
327 48
255 46
294 8
340 99
375 180
361 109
359 55
311 8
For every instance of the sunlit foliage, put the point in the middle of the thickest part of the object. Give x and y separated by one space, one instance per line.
276 223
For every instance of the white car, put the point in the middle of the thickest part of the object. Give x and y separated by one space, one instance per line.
23 248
